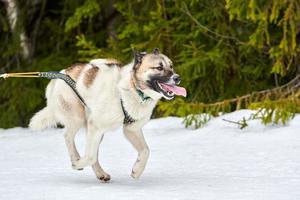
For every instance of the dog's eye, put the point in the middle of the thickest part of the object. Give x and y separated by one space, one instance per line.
160 68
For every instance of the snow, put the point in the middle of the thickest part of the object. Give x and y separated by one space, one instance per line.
218 161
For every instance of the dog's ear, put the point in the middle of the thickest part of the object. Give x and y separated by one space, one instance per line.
156 51
138 56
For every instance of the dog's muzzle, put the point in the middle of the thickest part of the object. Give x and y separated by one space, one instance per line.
167 86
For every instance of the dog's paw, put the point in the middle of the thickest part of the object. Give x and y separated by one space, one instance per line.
104 178
77 165
82 163
137 170
135 175
74 160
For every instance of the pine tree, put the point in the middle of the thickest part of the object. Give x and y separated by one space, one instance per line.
223 50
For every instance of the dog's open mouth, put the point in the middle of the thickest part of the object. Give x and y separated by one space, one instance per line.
170 90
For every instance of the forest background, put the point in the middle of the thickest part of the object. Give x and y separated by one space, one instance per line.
223 50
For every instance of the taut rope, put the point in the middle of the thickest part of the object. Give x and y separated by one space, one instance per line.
20 75
48 75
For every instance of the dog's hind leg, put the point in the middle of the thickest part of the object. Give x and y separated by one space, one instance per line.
136 138
93 139
69 135
71 115
99 172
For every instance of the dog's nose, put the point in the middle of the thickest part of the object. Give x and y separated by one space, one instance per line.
176 79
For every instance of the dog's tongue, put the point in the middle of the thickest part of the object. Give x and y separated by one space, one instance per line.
173 88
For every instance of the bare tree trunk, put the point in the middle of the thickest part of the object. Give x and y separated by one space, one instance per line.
12 15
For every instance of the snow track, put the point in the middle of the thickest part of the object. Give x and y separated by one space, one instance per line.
218 161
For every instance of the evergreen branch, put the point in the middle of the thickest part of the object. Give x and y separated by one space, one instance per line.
277 105
188 13
242 123
277 92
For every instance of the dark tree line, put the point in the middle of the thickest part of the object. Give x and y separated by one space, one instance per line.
222 49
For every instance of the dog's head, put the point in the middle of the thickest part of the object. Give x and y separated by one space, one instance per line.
154 74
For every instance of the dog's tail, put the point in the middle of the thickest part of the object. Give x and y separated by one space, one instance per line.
43 119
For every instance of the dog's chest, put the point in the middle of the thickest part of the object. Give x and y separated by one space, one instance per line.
138 110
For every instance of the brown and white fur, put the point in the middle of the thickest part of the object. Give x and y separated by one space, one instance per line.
102 83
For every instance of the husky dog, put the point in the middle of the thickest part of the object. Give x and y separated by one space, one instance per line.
114 96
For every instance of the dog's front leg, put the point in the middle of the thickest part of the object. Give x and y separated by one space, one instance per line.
136 138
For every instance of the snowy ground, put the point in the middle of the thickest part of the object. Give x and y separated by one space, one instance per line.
218 161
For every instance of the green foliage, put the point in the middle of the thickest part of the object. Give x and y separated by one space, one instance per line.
276 31
270 113
274 105
54 50
22 103
280 111
221 49
196 121
87 50
20 98
89 9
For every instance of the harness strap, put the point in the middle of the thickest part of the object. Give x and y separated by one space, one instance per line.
142 95
66 78
127 118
